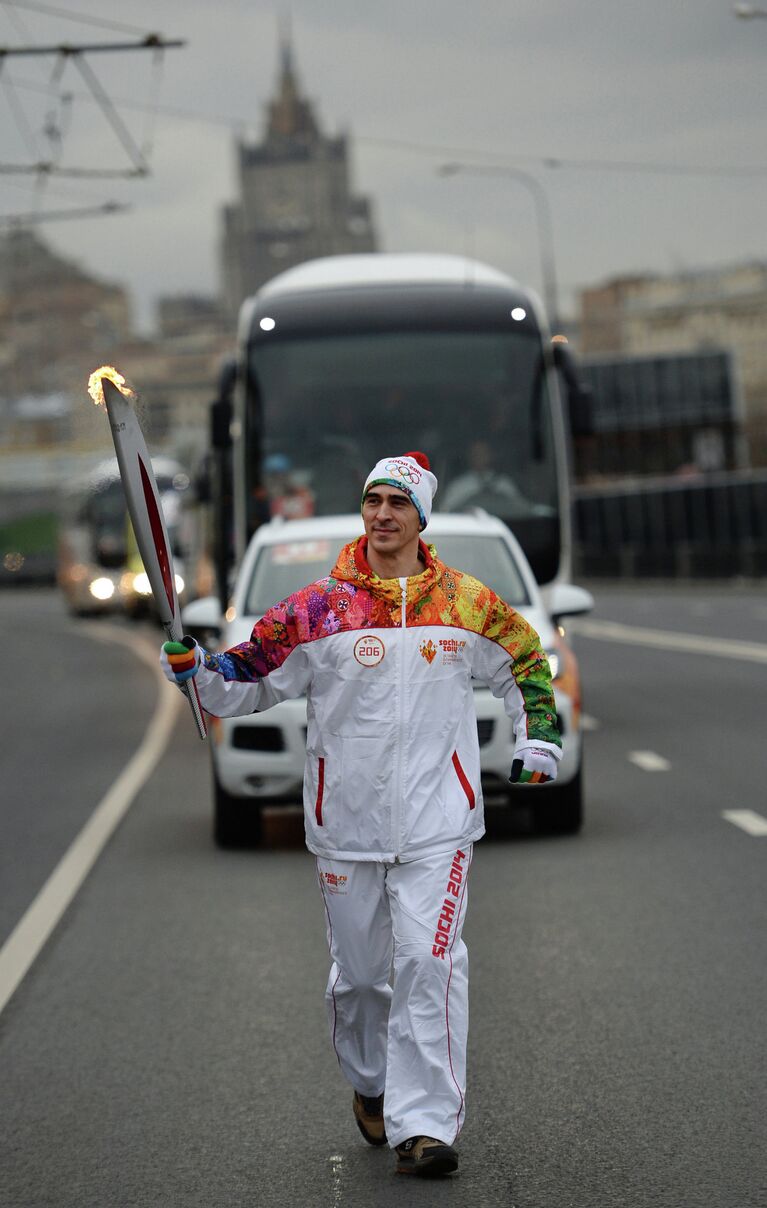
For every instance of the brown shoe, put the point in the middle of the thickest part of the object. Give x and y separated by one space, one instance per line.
368 1112
426 1157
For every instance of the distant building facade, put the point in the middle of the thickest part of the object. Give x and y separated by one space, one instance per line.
176 377
58 324
722 309
181 316
295 198
51 313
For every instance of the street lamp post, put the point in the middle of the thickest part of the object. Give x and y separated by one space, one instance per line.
542 218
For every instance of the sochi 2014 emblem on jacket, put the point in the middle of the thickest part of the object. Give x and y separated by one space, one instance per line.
428 650
452 649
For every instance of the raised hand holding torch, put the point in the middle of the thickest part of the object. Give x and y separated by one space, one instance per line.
109 387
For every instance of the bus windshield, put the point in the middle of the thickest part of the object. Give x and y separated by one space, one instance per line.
327 408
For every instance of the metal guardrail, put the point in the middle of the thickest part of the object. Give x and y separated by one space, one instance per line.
710 526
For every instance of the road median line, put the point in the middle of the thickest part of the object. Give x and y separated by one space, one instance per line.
748 820
665 639
33 930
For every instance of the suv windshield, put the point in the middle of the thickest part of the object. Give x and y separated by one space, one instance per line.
290 565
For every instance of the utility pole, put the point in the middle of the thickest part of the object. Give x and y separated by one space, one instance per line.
542 217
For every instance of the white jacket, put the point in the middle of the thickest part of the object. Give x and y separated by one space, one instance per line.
393 763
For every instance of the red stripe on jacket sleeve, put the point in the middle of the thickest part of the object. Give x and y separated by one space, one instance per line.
320 792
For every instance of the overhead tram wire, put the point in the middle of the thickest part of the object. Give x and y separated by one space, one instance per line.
56 121
110 113
555 161
51 10
19 116
87 209
40 216
47 168
148 42
155 86
189 115
550 162
138 156
68 193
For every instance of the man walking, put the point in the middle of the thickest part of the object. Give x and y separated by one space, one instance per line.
385 650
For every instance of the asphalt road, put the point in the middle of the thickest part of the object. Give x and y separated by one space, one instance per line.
169 1045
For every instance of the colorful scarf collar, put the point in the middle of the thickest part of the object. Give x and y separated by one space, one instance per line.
352 566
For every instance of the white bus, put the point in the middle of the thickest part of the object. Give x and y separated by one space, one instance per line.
344 359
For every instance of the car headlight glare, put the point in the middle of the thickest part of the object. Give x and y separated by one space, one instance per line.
102 589
553 658
141 584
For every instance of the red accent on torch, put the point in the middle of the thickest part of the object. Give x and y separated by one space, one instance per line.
158 535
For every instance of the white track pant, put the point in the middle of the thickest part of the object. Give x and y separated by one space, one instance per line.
409 1041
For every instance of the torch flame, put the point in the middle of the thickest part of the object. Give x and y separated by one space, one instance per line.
108 371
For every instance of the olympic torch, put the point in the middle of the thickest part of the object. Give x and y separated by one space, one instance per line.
109 387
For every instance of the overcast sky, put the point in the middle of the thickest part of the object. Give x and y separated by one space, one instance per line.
650 83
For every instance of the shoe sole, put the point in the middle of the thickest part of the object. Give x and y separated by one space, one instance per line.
431 1168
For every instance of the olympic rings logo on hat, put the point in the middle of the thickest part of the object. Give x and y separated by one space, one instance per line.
406 471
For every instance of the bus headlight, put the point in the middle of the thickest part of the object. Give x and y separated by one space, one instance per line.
102 589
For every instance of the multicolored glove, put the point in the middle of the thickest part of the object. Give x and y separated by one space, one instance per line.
180 660
535 766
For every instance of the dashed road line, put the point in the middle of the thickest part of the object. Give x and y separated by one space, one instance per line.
649 761
748 820
31 933
663 639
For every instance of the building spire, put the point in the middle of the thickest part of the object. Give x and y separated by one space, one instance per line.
285 34
290 115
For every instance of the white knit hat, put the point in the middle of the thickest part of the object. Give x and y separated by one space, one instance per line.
412 474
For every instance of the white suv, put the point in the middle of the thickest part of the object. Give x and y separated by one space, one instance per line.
259 759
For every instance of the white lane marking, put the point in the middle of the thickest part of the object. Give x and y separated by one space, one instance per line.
662 639
649 761
26 941
589 723
337 1172
748 820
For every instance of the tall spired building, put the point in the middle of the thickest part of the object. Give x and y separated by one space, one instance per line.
295 197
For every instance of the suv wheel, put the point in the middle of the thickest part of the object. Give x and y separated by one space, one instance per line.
560 809
236 820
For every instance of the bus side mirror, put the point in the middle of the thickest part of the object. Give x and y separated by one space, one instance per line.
579 399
